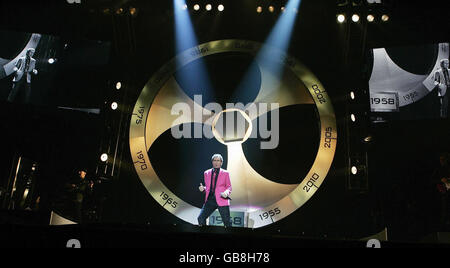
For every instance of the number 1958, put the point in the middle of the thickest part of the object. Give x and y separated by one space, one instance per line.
384 101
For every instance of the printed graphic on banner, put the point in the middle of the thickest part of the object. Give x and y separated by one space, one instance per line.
45 70
419 78
384 102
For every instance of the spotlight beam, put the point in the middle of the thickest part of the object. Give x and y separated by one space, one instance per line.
282 32
279 38
185 39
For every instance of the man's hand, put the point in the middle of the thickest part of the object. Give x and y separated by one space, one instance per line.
201 188
35 72
226 194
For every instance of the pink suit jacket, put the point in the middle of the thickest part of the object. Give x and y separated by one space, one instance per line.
223 185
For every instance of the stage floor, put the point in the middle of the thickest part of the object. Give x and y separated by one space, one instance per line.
180 237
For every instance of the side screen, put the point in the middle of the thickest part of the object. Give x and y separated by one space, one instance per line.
45 70
409 83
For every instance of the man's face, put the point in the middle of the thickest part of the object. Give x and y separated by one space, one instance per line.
444 64
30 53
82 175
217 163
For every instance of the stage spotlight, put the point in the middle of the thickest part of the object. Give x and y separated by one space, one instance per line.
184 31
259 9
370 18
353 117
352 95
341 18
114 106
271 9
119 11
51 61
133 11
104 157
118 85
355 18
221 8
196 7
283 9
208 7
385 18
368 139
354 170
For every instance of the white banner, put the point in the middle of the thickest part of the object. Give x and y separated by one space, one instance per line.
384 102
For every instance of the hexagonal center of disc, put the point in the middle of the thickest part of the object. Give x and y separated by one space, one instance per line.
232 126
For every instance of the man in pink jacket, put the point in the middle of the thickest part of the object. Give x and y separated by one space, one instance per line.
218 190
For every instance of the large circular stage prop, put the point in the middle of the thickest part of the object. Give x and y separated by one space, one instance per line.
407 72
260 199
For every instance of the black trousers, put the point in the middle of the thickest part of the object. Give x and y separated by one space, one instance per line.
21 88
209 208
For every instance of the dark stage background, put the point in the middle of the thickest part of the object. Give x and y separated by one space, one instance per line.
402 155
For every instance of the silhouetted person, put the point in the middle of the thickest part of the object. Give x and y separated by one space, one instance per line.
80 188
